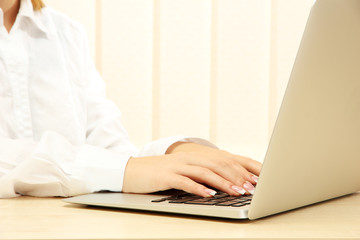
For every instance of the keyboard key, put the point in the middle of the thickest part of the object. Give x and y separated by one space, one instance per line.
227 203
239 204
200 202
221 195
159 200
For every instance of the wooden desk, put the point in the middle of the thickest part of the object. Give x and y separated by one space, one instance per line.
49 218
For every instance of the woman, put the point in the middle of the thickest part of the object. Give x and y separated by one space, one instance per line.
59 136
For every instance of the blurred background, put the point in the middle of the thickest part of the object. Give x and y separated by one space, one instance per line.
215 69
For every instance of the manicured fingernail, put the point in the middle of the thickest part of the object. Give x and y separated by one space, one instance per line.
210 192
249 187
255 178
239 190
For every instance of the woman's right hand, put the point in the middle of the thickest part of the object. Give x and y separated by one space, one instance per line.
188 171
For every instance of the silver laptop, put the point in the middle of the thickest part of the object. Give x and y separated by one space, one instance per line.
314 152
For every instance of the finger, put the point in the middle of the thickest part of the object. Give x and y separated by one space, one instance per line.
208 177
249 187
224 165
253 166
190 186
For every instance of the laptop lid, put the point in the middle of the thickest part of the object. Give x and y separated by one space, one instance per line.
314 152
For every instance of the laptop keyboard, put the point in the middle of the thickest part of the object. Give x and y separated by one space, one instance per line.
220 199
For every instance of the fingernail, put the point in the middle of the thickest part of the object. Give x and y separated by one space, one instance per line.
249 187
255 178
239 190
210 192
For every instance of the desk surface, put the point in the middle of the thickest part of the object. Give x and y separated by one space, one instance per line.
45 218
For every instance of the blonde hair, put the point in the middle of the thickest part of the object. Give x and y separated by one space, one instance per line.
37 4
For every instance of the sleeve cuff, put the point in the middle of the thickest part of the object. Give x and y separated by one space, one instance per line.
102 169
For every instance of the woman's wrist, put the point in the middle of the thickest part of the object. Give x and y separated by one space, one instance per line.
186 147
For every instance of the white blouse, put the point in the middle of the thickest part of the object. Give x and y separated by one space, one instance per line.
59 135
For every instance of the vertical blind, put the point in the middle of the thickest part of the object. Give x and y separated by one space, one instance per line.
215 69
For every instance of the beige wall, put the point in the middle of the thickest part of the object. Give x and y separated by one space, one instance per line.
216 69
